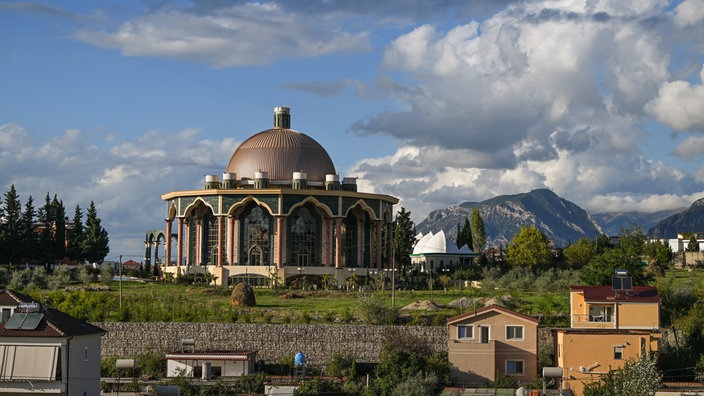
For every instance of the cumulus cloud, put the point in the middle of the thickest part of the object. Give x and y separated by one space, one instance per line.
689 13
692 147
239 35
679 104
542 94
125 181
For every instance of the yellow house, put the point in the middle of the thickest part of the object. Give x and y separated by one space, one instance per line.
490 342
607 328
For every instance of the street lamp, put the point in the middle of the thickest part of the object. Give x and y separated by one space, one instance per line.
300 279
430 271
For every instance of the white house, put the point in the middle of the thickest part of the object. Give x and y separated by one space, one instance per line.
45 351
433 252
210 364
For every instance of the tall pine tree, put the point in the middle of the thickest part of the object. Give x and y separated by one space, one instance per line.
75 249
46 238
11 226
404 238
478 231
95 239
465 235
59 228
27 233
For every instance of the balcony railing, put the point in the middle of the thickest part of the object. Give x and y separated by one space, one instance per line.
584 318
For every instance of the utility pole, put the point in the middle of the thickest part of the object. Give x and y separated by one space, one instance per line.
120 272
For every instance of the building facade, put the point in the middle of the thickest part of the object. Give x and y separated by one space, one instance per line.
608 327
491 342
280 212
46 352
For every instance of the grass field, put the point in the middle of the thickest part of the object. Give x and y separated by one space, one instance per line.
170 302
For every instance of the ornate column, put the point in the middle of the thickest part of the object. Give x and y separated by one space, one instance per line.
327 243
179 242
229 224
187 241
236 242
167 254
147 252
360 243
280 242
199 241
338 243
156 253
221 240
378 243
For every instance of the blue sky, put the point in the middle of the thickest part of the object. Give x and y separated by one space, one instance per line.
436 103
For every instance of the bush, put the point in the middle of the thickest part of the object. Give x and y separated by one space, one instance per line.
341 365
418 384
374 311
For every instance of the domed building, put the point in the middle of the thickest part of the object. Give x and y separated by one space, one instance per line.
279 215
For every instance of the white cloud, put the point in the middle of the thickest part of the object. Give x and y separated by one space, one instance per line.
125 181
691 147
689 13
240 35
545 94
679 104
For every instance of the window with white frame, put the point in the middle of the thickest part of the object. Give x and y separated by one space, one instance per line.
465 331
618 352
514 367
514 332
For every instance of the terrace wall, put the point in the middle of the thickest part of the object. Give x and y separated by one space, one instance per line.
273 341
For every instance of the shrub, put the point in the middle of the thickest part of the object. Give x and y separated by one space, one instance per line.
374 311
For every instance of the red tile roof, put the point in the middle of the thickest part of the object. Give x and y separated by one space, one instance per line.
54 323
607 294
490 308
11 297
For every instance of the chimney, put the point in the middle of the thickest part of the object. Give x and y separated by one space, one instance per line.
282 117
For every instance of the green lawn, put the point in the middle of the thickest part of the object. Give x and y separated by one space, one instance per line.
156 301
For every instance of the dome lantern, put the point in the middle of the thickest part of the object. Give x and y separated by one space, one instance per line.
281 151
282 117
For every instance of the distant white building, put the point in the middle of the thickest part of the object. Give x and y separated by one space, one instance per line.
208 365
433 252
44 351
680 244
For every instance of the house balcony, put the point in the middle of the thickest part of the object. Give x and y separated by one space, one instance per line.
599 321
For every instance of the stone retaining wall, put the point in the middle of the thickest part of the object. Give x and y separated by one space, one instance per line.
273 341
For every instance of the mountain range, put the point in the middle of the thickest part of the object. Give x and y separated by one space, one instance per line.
562 221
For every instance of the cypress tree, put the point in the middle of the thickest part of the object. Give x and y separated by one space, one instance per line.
11 229
27 233
59 228
404 238
478 231
95 239
75 250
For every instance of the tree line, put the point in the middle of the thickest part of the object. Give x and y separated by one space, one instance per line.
30 235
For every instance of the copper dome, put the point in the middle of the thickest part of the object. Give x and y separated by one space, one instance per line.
281 151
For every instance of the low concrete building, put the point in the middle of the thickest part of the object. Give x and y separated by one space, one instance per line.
490 342
210 364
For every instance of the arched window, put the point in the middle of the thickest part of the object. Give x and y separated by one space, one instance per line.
303 238
349 241
256 236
